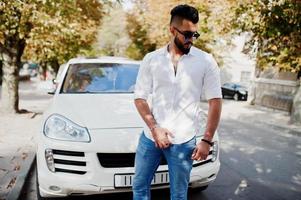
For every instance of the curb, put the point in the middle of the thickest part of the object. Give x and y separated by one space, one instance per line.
15 192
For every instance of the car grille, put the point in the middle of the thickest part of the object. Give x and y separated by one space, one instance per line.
69 162
117 160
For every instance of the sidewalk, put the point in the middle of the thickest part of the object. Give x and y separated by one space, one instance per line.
245 112
17 138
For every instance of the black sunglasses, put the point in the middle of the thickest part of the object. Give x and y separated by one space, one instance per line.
189 34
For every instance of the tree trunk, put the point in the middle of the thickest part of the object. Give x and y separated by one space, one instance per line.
11 52
43 71
10 84
55 66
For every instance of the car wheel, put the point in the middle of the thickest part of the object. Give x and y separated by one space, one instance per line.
235 97
200 189
203 188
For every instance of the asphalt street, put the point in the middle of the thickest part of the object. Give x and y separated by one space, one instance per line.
258 162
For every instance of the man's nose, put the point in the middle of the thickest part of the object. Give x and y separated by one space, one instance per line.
189 40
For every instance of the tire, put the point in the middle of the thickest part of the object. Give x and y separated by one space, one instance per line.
199 189
203 188
235 97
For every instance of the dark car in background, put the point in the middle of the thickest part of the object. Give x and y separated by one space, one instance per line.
235 91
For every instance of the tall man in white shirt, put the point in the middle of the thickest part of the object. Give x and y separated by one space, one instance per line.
168 90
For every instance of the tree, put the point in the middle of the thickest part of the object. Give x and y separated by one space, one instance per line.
50 30
112 36
148 25
141 43
276 33
70 30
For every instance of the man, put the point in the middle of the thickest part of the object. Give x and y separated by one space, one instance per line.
175 76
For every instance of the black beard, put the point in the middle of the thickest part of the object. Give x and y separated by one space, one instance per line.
181 46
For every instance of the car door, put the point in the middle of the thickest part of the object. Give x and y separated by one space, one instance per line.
232 89
227 89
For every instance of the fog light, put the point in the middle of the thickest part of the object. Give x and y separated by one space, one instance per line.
54 188
214 151
49 160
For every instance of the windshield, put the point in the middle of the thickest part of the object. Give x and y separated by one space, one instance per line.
240 87
100 78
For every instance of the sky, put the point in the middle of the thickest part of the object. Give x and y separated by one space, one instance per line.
127 4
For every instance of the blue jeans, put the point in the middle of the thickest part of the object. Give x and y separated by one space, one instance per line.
147 161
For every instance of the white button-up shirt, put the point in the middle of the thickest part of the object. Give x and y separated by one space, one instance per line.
174 98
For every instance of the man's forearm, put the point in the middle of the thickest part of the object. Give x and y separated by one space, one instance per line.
214 113
144 111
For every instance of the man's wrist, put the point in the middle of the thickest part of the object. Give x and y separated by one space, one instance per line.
208 136
152 128
207 141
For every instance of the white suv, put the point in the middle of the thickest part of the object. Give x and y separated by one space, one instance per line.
90 132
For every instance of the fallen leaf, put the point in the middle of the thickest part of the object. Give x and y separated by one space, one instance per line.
11 183
17 168
24 156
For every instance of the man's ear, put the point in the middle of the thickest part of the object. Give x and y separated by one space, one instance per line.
172 30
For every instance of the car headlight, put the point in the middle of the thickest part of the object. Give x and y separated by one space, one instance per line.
60 128
242 92
214 151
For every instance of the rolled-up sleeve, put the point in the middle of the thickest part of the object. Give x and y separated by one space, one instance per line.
143 86
212 83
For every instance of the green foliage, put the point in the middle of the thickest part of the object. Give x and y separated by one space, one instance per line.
64 29
141 43
276 31
51 29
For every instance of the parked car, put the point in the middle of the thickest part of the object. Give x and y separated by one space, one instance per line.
89 133
27 70
235 91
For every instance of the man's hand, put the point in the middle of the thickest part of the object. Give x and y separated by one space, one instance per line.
201 151
160 136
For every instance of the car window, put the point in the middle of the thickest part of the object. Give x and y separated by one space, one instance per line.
228 85
100 78
240 87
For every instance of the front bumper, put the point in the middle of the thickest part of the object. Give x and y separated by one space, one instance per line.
95 178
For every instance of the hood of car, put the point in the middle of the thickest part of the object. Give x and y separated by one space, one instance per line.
98 111
242 90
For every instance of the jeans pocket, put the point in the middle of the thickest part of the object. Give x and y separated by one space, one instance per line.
191 145
146 147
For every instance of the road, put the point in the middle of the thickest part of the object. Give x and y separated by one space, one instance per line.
258 162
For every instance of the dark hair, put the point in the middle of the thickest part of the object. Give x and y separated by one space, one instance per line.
185 12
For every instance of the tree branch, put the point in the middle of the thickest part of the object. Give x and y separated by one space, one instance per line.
3 49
